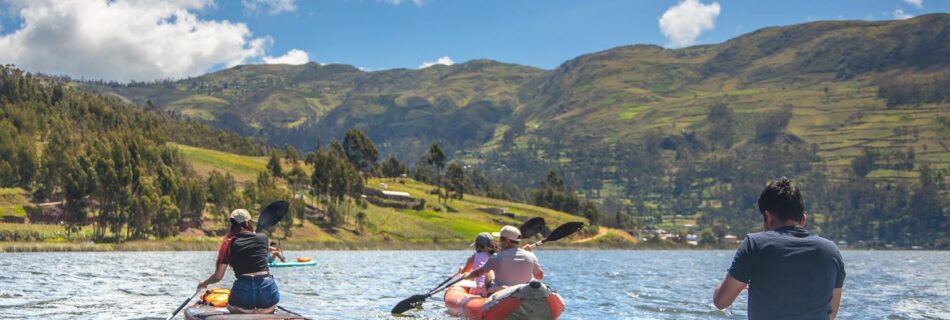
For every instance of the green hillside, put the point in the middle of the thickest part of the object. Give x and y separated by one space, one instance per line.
650 132
451 225
829 73
459 221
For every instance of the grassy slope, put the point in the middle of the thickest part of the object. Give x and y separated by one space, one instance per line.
457 225
385 227
12 201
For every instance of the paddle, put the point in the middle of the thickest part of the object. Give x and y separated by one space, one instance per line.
183 305
561 232
531 227
271 215
417 300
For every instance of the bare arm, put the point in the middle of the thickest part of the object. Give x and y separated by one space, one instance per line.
488 266
468 265
727 291
835 303
215 277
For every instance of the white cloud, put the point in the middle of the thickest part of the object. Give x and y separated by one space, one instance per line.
295 56
446 61
269 6
125 39
915 3
899 14
398 2
684 22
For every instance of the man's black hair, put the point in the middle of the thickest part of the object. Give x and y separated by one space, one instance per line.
783 199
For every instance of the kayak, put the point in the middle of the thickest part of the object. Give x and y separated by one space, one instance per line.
533 300
201 311
291 264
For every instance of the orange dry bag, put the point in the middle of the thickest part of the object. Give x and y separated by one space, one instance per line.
303 259
217 297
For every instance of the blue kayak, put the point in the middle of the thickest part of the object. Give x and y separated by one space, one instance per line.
291 264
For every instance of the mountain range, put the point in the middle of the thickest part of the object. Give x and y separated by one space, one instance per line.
848 88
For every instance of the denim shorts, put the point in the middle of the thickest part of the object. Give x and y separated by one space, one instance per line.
254 292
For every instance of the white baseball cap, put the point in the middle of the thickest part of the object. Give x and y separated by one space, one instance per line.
510 233
240 216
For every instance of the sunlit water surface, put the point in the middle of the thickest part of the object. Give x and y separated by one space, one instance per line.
367 284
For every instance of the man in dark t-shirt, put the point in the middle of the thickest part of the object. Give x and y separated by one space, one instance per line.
791 273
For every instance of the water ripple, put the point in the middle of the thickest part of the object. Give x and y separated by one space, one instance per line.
365 285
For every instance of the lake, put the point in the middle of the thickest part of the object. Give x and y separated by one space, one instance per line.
367 284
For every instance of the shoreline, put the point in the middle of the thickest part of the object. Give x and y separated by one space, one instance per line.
176 245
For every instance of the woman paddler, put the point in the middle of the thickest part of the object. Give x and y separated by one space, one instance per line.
254 289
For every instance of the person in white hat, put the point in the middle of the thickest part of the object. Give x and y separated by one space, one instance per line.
513 265
254 289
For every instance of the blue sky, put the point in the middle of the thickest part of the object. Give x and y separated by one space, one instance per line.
386 34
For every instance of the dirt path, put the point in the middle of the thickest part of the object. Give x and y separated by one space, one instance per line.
600 233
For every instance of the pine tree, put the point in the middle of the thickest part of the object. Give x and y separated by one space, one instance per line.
436 158
457 182
274 166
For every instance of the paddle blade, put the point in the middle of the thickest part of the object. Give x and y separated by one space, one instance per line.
531 227
272 214
410 303
564 230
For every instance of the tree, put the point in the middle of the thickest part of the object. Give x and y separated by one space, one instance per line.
296 178
273 165
553 181
393 168
360 151
773 124
360 221
78 186
166 218
589 211
191 199
721 125
322 170
863 164
926 209
708 237
221 193
436 158
291 154
457 182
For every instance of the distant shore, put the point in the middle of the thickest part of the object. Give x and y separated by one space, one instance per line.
210 245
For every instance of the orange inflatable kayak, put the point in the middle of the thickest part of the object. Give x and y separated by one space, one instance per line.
527 301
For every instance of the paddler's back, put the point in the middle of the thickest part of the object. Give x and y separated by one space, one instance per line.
248 253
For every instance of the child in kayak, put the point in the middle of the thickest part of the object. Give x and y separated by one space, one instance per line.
484 249
254 289
275 253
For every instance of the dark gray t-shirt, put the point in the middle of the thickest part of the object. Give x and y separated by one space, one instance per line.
791 272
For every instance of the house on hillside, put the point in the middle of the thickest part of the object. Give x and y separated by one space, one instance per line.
393 199
397 195
497 211
729 239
